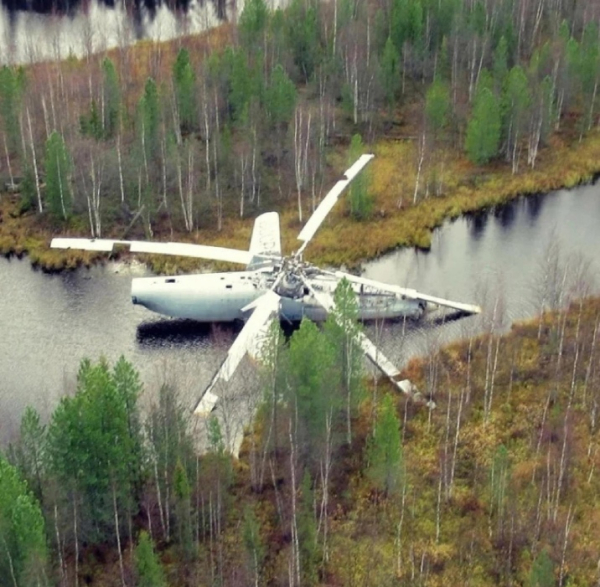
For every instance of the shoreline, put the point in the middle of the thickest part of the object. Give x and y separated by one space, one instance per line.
341 240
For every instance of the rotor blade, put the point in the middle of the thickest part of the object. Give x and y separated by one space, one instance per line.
386 366
181 249
371 351
329 201
267 306
410 293
324 298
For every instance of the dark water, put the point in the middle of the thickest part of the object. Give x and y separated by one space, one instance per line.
71 6
49 322
94 26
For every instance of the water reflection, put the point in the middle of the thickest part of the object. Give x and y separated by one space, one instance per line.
505 215
95 27
477 223
184 333
533 205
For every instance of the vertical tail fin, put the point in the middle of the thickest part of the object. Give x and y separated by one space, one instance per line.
266 239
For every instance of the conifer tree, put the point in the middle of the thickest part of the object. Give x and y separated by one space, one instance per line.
342 330
542 571
149 120
310 372
390 72
184 81
437 107
361 202
252 24
280 97
93 449
183 512
23 549
58 169
303 36
307 533
12 84
253 543
112 99
384 451
148 568
29 453
483 131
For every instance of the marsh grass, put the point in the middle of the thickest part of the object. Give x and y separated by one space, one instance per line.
396 222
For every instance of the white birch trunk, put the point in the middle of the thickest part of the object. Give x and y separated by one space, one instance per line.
35 167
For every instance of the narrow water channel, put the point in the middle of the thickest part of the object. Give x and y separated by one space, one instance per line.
48 323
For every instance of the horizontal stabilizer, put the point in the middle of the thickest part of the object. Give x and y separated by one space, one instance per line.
179 249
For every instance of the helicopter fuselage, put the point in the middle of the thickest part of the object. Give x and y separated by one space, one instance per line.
221 297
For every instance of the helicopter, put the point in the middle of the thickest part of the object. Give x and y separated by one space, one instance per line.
272 285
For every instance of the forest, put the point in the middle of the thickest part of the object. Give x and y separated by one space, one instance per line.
340 482
187 137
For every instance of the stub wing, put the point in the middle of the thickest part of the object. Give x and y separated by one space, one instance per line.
179 249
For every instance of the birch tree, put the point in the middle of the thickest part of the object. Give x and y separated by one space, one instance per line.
170 443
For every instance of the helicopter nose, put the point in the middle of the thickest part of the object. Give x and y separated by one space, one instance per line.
139 291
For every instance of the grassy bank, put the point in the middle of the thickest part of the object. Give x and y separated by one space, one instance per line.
396 221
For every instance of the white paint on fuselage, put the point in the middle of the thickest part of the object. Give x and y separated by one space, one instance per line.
220 297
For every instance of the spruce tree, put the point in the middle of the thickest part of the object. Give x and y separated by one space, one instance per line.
483 131
58 169
149 120
184 80
361 202
384 450
112 99
542 571
12 83
390 73
23 549
148 568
